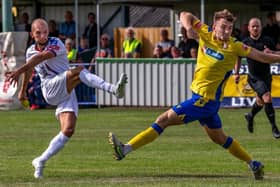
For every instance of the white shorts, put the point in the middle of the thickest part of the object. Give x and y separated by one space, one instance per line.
55 93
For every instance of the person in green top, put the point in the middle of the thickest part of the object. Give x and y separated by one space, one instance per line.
131 47
72 53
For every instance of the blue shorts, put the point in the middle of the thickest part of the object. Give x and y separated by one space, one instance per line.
197 108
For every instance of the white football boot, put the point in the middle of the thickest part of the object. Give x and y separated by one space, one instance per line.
119 88
39 167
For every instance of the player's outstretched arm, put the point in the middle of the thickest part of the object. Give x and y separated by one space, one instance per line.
13 76
187 19
263 57
36 59
22 92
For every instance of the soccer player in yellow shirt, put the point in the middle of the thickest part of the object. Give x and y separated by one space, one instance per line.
217 55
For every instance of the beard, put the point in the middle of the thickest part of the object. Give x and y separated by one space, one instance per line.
221 37
41 43
255 34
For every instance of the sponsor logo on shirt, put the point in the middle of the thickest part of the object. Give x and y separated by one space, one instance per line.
213 53
53 47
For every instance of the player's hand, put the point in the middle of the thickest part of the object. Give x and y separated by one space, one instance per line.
12 77
236 78
267 50
191 33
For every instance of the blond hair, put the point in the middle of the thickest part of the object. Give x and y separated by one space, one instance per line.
224 14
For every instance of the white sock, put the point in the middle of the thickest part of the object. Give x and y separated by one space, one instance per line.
94 81
56 144
127 148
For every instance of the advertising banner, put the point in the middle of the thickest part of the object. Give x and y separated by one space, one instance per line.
242 95
12 55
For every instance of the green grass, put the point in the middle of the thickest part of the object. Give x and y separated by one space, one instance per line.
182 156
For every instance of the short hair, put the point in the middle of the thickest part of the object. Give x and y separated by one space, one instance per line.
224 14
106 36
25 14
68 41
52 21
130 28
91 14
164 31
38 21
69 12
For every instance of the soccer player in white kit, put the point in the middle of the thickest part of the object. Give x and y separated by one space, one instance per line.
48 57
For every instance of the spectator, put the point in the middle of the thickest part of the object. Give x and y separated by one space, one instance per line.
68 27
53 31
186 44
83 45
24 24
165 43
193 52
105 51
176 52
131 47
272 29
91 30
158 52
71 52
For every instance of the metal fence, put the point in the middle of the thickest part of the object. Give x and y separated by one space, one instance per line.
151 82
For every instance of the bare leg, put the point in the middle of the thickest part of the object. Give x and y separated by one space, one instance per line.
67 122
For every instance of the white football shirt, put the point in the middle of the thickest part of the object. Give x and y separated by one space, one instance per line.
54 66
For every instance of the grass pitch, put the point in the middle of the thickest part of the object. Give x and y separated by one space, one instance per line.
182 156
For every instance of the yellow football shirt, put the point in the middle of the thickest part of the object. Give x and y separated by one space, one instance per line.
215 62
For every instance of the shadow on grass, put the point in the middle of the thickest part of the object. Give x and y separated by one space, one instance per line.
199 176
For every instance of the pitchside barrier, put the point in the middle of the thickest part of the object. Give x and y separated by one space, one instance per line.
166 82
242 95
151 82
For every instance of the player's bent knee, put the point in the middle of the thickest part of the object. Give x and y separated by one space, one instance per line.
168 118
68 132
162 119
267 98
76 71
218 139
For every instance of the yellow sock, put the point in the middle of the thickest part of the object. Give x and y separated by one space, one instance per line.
145 137
238 151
